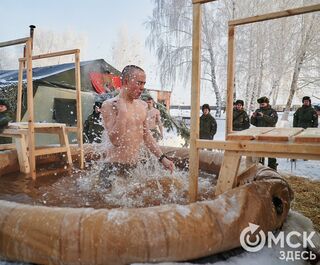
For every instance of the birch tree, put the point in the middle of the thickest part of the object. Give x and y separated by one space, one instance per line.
170 35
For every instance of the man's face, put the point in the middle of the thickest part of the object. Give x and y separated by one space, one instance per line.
239 107
263 105
205 111
3 108
306 102
150 103
135 84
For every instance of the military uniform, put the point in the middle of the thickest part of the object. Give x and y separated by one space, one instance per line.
5 118
208 126
268 118
93 128
305 117
240 120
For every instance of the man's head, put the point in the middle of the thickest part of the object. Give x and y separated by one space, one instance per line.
205 109
306 101
3 105
133 79
239 104
150 102
263 101
97 106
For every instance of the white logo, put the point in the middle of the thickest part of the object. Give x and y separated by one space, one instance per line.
249 232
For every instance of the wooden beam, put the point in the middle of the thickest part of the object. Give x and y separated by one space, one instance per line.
53 54
228 173
13 42
202 1
275 15
31 142
195 103
19 95
79 108
270 148
230 80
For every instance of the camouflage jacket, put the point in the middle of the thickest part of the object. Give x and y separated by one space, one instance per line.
5 118
268 119
305 117
93 128
208 127
240 120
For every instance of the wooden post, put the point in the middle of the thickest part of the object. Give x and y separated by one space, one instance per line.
230 80
19 96
79 108
31 134
195 103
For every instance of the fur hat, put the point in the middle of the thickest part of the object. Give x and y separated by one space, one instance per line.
205 106
5 103
263 100
306 98
239 101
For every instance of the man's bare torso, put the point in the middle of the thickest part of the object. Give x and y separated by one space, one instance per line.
128 149
153 116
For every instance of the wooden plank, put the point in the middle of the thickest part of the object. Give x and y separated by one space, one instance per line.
19 96
228 172
22 153
71 129
195 103
7 147
64 141
52 54
309 135
79 109
249 134
202 1
13 132
30 108
275 15
50 150
24 125
252 148
279 134
13 42
230 80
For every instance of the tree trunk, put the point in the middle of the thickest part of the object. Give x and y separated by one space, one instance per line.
294 84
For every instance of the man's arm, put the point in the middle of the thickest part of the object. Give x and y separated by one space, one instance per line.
154 147
114 115
315 119
158 121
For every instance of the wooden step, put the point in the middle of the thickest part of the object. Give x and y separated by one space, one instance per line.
50 150
279 134
309 135
249 134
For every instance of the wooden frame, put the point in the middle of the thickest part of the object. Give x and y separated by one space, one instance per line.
232 155
30 107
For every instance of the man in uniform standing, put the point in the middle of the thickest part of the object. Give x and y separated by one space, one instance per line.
265 116
305 116
240 117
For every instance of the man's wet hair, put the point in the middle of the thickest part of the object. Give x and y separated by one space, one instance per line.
127 71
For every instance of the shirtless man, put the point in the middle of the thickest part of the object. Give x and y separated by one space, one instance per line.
154 120
125 120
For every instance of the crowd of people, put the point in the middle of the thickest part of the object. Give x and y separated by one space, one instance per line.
265 116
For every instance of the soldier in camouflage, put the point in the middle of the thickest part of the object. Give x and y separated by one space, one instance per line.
305 116
265 116
93 127
240 117
208 124
5 118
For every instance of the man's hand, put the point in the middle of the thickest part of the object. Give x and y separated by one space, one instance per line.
168 164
